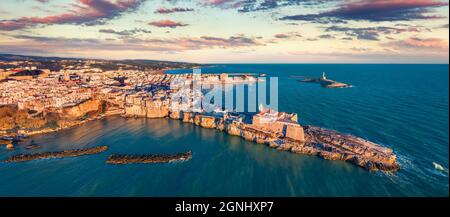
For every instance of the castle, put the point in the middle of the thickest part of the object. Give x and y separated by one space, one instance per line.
281 123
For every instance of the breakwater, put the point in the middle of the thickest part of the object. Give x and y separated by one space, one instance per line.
60 154
148 158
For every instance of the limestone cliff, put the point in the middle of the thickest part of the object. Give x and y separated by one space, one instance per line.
157 109
188 117
148 109
176 115
80 110
205 121
13 120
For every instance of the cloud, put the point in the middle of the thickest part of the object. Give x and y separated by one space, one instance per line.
376 10
87 12
125 32
420 43
288 35
360 49
254 5
370 33
167 23
173 10
42 44
224 4
245 6
281 36
233 41
326 36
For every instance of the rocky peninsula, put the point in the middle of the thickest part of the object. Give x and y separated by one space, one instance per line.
324 143
59 154
148 158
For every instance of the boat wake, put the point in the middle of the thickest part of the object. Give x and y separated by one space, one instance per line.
440 167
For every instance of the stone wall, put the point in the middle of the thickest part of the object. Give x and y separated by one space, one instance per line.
295 132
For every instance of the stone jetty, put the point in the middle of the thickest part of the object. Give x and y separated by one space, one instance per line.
148 158
59 154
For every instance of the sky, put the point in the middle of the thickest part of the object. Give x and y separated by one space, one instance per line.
230 31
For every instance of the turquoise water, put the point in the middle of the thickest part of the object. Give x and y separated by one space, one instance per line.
404 107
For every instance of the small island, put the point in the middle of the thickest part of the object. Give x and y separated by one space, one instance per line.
326 83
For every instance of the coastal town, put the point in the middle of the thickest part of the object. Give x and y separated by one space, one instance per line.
35 99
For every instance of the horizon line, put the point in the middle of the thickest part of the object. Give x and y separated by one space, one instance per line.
229 63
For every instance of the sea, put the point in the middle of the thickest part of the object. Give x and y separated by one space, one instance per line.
403 107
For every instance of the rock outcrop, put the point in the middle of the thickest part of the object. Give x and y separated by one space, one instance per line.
10 146
80 110
188 117
176 115
206 121
332 145
14 121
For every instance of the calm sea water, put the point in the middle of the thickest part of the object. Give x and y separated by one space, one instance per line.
404 107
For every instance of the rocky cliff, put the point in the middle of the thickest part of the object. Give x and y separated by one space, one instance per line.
157 109
13 120
148 109
80 110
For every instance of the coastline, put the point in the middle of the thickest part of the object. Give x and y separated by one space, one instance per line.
376 118
313 145
279 130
